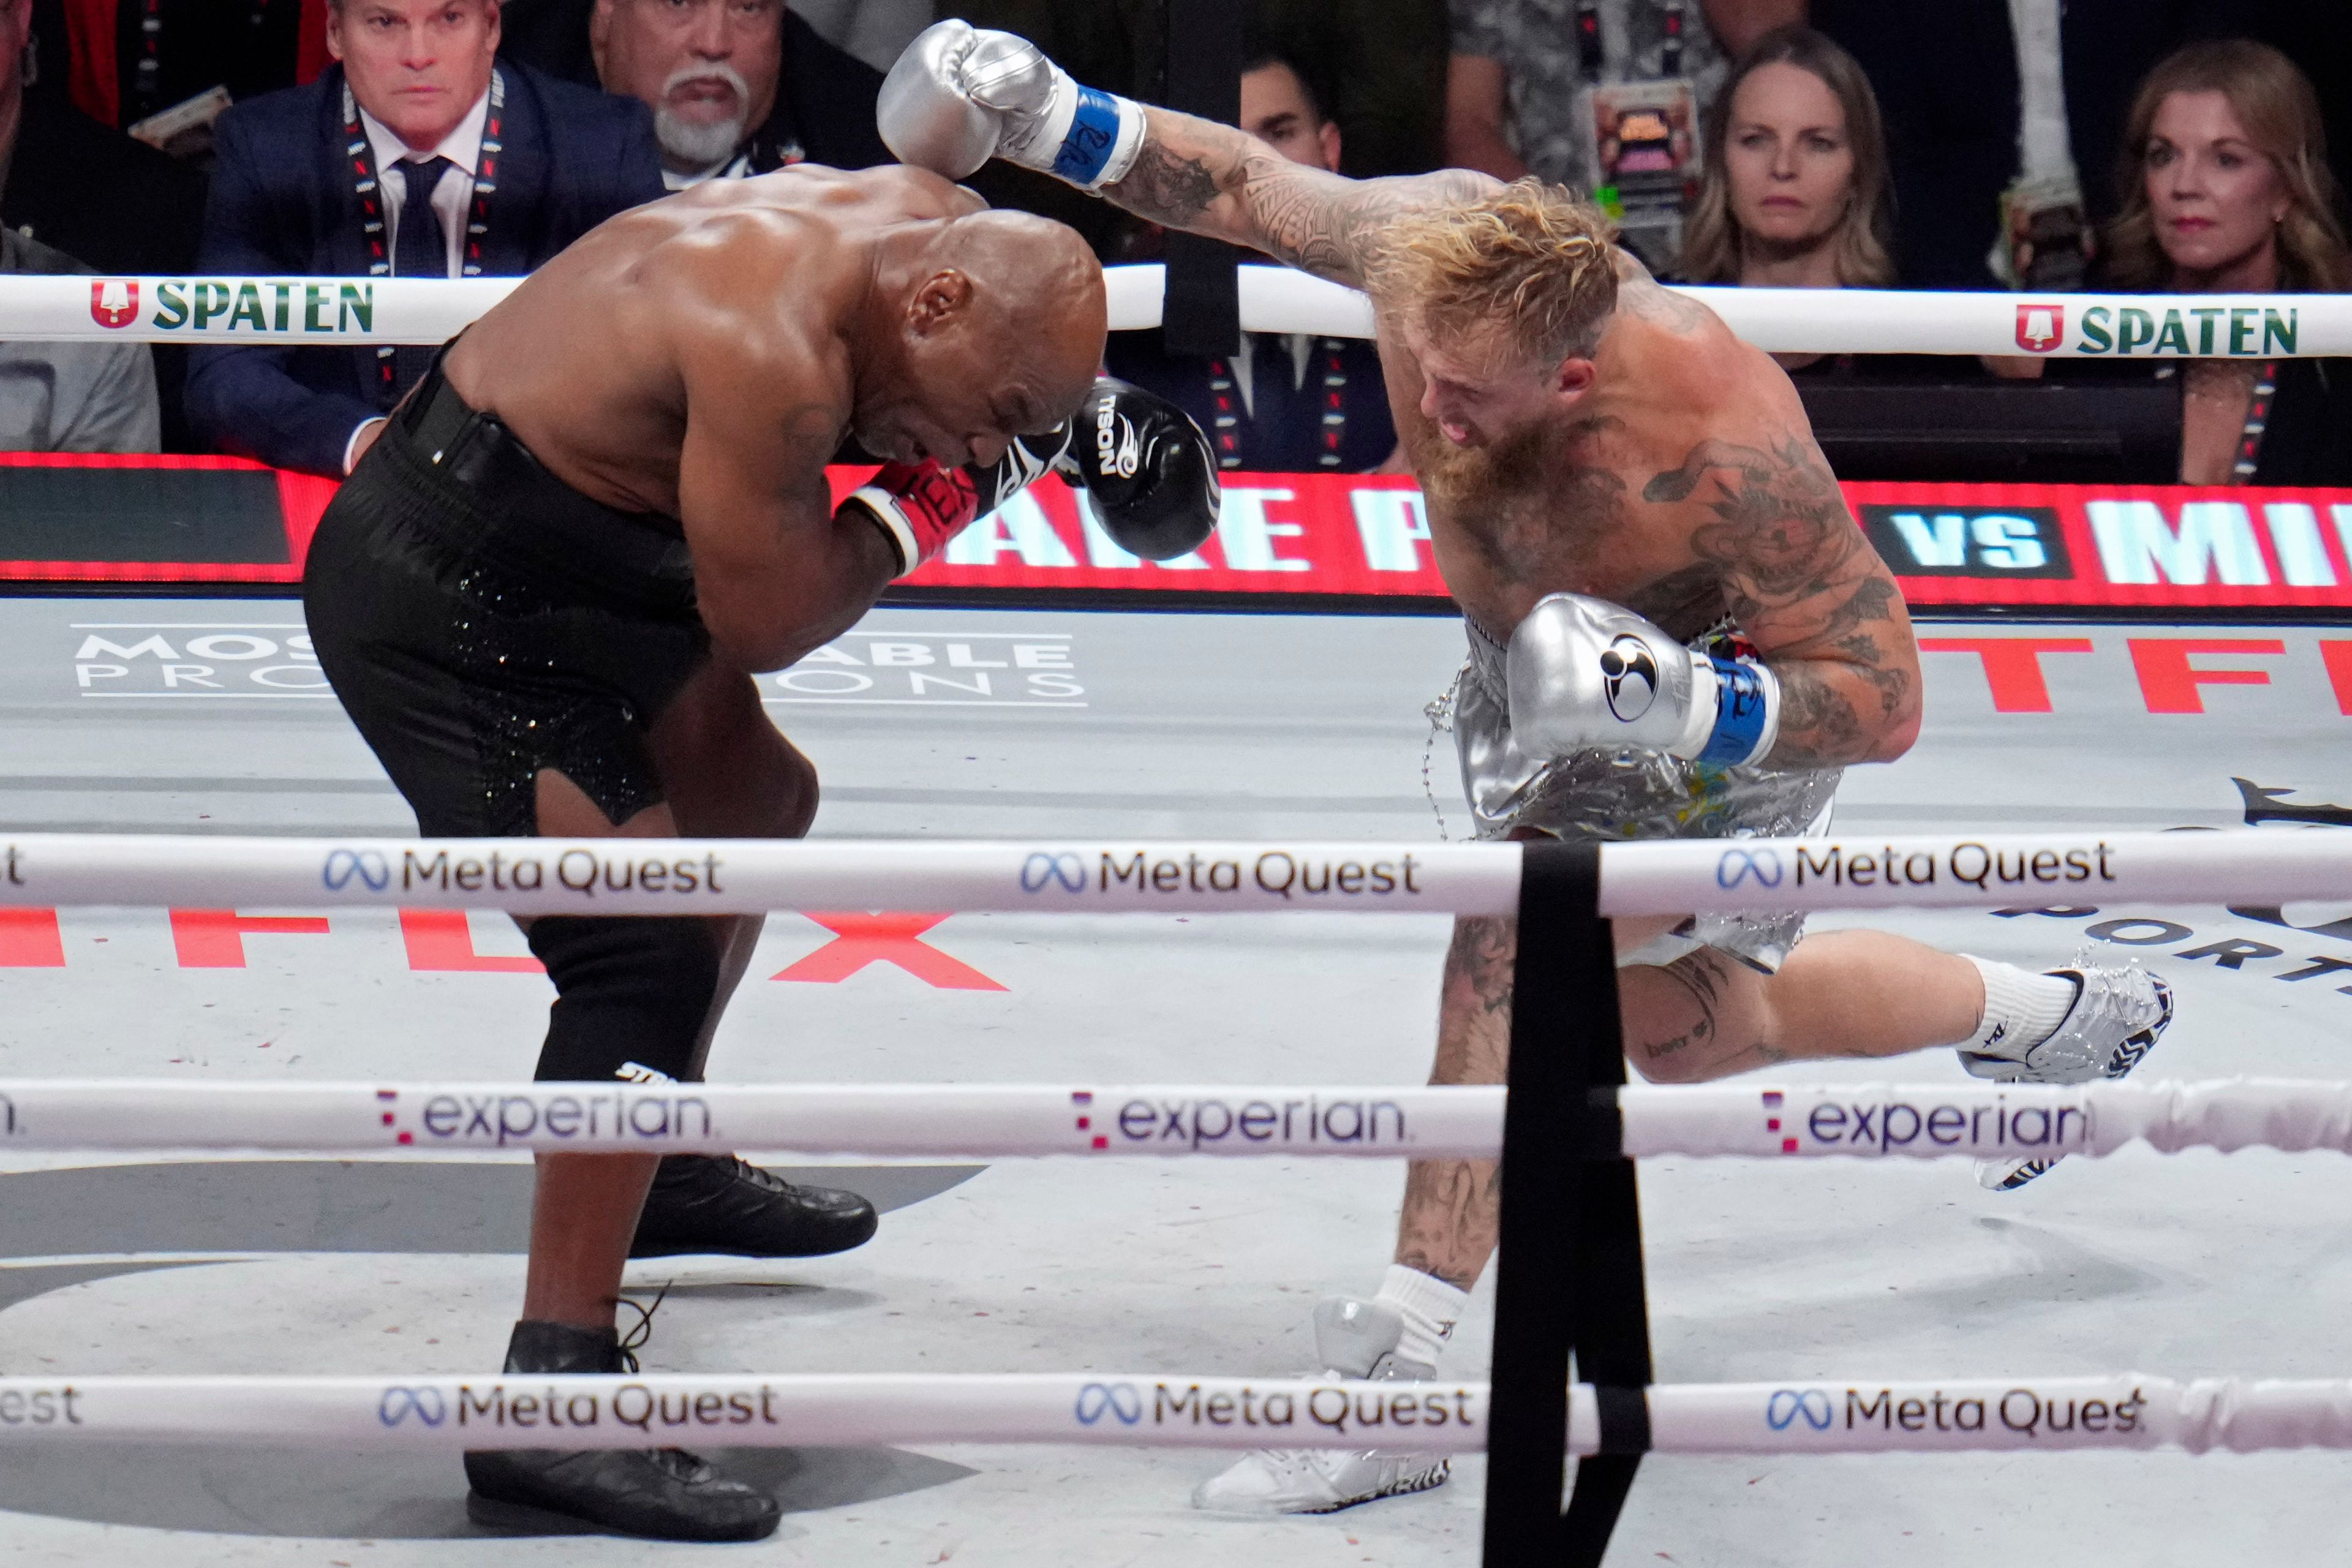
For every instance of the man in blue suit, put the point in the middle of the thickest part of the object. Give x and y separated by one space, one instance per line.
419 154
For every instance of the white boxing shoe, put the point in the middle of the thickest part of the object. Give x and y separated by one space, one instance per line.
1354 1340
2120 1012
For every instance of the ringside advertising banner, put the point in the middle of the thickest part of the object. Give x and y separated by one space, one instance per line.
1329 536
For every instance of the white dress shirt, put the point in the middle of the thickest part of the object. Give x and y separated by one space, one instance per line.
734 166
452 198
1244 366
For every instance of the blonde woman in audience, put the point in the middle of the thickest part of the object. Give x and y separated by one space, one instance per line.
2225 187
1796 194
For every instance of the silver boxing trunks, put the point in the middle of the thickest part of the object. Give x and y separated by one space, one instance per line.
1633 793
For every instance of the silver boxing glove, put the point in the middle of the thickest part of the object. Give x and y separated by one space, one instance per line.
1584 674
959 94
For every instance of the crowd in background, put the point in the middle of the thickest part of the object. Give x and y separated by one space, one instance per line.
2041 145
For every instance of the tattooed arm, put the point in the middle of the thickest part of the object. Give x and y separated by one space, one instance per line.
1808 590
1210 179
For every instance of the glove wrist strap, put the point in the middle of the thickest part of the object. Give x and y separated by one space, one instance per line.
1745 698
1098 142
881 508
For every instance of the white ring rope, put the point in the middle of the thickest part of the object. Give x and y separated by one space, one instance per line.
1749 1119
648 876
229 310
2125 1411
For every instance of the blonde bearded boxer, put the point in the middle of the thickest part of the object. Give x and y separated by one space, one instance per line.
1675 630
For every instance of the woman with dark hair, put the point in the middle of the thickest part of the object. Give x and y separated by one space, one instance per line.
2224 187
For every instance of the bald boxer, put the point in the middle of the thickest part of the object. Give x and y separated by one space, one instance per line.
544 591
1674 628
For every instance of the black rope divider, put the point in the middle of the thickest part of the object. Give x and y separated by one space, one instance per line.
1569 1266
1201 312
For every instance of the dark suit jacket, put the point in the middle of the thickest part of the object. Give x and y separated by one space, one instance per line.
824 95
1264 440
282 202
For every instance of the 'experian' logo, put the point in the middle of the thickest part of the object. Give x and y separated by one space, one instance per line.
1899 1126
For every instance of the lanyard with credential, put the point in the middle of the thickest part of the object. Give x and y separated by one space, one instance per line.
366 186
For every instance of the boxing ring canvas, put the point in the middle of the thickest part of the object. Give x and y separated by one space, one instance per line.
205 716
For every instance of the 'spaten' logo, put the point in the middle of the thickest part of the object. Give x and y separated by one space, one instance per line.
2041 328
113 301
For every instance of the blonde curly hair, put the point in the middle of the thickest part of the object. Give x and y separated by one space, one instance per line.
1525 270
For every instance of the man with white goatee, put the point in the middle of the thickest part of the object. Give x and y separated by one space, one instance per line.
715 74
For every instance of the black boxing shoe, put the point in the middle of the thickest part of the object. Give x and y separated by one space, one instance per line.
717 1203
662 1494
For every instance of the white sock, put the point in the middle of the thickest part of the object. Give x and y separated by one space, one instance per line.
1431 1307
2022 1009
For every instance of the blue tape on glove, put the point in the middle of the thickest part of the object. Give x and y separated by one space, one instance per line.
1094 131
1739 716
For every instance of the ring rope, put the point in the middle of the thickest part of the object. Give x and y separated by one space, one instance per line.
653 876
231 309
1462 1121
2122 1411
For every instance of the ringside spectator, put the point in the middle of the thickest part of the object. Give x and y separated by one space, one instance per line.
163 70
414 156
1795 193
1380 68
87 191
1286 402
71 397
709 66
1606 97
2226 188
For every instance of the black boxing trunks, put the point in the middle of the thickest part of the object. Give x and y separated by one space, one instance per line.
482 620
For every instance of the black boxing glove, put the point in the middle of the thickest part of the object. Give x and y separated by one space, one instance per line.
1149 470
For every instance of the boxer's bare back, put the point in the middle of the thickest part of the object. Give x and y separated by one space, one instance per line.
704 356
1685 485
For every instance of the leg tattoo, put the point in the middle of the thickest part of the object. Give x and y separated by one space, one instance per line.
1451 1206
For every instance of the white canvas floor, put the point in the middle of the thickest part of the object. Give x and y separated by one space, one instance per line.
973 724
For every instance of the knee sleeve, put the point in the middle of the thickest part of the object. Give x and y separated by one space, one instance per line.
630 991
